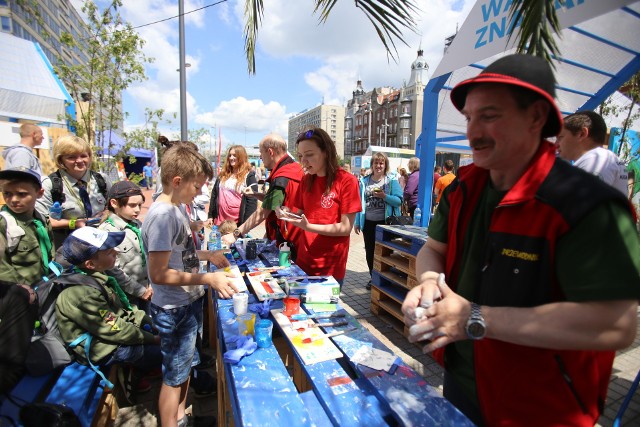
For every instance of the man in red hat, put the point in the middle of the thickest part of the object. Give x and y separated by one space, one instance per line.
530 278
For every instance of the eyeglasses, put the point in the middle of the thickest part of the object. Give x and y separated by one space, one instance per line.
305 135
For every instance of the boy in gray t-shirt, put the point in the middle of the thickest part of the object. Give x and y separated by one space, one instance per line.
173 263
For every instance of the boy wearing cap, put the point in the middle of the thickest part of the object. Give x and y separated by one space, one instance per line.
124 201
28 234
120 333
173 265
519 294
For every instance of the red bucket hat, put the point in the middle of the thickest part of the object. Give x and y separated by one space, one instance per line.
527 71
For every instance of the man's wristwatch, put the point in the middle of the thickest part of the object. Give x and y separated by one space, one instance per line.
476 328
236 233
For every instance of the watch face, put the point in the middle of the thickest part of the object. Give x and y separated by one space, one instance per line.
476 329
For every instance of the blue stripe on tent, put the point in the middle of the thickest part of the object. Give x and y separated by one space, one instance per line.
578 92
452 138
71 104
631 12
454 147
623 75
603 40
583 66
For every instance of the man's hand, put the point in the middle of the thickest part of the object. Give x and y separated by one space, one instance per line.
228 239
356 228
218 258
221 283
442 321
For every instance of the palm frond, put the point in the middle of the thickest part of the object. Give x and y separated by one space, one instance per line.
388 17
538 21
253 13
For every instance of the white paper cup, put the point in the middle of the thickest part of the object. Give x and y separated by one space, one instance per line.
240 303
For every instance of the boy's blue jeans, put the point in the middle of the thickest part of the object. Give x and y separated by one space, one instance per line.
178 328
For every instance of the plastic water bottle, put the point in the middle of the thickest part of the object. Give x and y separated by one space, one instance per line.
417 217
215 241
284 256
55 211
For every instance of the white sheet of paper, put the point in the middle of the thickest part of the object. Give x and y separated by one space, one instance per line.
374 358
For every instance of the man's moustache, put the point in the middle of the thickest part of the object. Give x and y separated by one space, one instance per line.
474 143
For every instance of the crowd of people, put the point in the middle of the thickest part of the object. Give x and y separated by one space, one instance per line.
517 270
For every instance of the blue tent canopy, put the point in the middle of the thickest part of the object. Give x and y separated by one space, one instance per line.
600 51
116 142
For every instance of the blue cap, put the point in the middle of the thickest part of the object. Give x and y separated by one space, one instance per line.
84 242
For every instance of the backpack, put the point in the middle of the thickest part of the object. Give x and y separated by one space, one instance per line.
57 194
48 350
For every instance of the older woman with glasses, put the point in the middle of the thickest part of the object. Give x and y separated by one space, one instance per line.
81 191
381 197
325 207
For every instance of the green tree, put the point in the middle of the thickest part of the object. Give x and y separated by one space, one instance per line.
147 136
114 61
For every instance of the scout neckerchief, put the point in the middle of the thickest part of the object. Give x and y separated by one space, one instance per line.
83 201
136 230
115 286
43 241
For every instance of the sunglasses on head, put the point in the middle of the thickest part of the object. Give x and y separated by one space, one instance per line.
306 135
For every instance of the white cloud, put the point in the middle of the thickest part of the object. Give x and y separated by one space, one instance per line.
346 48
348 45
251 115
147 96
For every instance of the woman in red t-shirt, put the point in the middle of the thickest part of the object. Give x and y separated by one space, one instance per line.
327 200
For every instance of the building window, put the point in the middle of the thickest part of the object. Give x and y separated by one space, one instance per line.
6 24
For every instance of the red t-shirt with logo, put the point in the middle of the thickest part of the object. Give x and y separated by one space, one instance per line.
326 255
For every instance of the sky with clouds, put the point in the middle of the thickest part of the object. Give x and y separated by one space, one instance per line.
300 62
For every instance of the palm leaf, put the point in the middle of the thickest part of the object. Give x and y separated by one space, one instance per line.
538 22
253 13
388 17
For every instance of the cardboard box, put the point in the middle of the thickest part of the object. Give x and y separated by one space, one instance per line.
302 285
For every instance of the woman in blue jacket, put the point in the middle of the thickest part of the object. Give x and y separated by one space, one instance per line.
381 196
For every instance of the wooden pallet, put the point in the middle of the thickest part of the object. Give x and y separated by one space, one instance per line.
394 271
386 302
397 266
408 239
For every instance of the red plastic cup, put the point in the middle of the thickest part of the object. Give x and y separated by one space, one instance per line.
291 306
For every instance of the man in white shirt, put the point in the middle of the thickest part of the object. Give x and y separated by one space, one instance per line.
581 141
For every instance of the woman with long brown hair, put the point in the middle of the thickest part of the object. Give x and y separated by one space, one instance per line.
328 201
228 199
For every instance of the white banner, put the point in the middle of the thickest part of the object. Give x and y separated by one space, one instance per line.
485 31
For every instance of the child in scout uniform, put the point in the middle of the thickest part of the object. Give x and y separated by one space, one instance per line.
98 315
29 247
124 201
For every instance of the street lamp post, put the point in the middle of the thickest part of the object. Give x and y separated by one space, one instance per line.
183 74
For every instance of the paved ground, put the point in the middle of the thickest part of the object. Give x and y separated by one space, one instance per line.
356 300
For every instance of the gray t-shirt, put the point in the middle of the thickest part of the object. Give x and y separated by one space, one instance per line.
374 206
166 229
21 155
